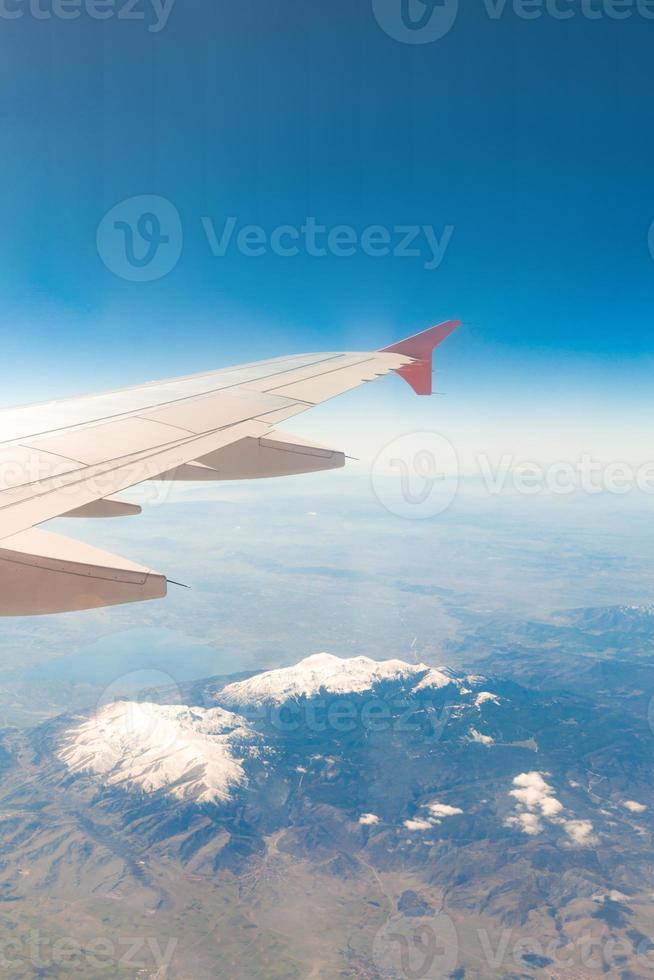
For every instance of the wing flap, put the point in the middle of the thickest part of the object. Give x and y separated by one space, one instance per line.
21 466
63 457
23 507
43 573
276 454
105 507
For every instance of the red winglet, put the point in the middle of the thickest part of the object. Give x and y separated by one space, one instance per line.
421 347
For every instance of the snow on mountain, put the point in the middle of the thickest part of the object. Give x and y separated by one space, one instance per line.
435 678
476 736
639 618
484 697
197 754
191 753
321 673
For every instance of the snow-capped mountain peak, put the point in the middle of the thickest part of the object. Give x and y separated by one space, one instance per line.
435 678
320 673
198 754
191 753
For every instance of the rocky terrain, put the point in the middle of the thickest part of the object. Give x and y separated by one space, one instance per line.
292 822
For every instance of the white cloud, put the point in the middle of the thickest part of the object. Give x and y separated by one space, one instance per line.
535 794
418 824
436 812
529 823
442 809
536 803
580 832
368 819
634 807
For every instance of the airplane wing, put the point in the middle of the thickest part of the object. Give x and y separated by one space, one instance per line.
67 458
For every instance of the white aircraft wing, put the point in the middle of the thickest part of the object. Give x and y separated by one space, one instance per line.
67 458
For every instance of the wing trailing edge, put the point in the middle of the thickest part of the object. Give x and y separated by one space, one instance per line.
105 507
43 573
68 458
276 454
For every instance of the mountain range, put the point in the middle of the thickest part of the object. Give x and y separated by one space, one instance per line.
292 820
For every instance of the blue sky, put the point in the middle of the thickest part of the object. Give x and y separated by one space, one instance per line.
532 139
